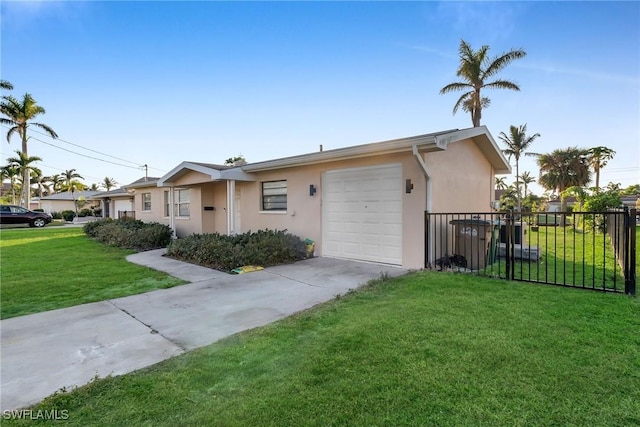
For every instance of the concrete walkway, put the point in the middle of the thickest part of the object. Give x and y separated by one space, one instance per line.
44 352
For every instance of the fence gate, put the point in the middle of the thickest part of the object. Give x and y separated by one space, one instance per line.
590 250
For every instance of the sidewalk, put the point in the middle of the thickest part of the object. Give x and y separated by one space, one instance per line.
44 352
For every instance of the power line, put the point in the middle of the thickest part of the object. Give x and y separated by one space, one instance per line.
85 148
138 165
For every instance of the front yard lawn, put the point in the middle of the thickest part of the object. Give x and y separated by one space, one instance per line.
425 349
50 268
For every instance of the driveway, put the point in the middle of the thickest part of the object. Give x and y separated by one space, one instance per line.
44 352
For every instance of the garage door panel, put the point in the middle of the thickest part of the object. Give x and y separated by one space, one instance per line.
362 213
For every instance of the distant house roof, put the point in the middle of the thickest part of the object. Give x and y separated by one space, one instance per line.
145 181
118 192
67 195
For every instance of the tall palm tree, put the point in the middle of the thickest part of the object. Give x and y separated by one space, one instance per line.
501 184
5 85
108 183
526 179
69 175
11 172
598 158
475 69
517 143
23 163
19 116
564 168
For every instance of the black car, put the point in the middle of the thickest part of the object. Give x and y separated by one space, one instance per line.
10 214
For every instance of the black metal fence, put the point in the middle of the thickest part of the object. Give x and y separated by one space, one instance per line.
126 214
591 250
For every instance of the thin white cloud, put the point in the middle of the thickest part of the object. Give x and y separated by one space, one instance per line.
552 69
431 50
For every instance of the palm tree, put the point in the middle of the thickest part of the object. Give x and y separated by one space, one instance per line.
501 184
598 158
69 175
517 143
19 115
56 182
73 185
108 183
526 179
564 168
5 85
11 172
475 69
23 164
94 187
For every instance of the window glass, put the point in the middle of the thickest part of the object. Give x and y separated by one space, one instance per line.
274 196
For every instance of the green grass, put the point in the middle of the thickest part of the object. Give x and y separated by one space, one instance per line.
425 349
49 268
568 257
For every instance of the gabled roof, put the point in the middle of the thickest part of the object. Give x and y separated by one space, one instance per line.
68 196
215 172
424 143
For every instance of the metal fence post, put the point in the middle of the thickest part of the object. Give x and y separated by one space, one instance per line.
630 250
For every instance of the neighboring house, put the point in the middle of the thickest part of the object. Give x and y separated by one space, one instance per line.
365 202
116 203
65 201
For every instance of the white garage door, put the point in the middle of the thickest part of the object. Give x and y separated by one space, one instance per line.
121 205
362 213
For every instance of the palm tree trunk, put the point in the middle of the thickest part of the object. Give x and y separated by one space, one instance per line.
26 175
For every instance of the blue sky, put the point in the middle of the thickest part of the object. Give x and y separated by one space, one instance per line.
157 83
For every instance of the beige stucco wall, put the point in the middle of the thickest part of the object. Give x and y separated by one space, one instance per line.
64 205
200 195
462 179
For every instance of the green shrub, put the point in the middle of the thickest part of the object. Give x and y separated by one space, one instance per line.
56 215
85 212
129 233
264 248
68 215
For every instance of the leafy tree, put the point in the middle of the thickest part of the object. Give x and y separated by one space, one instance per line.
11 172
564 168
108 183
475 70
23 163
236 161
517 143
19 116
631 190
598 158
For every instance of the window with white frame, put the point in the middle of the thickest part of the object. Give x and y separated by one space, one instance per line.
167 204
274 196
181 205
146 201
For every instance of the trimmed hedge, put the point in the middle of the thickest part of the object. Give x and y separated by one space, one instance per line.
221 252
129 233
